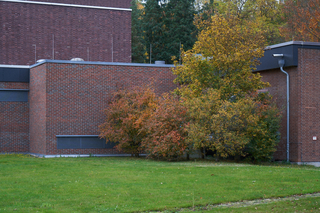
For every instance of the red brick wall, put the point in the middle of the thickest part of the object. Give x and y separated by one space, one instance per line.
102 3
76 96
309 63
278 89
14 127
304 105
29 32
37 103
14 122
14 85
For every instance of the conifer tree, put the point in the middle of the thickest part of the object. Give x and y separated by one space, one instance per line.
167 27
137 43
152 27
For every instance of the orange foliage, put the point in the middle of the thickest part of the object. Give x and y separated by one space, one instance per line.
166 127
303 19
126 116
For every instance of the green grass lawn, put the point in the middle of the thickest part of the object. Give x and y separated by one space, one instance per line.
296 205
126 184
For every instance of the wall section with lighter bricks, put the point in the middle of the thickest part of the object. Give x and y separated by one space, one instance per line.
37 103
75 97
29 32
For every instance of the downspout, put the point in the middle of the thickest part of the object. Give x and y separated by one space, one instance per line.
281 63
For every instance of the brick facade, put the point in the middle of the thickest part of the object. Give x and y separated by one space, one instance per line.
304 105
29 32
102 3
37 102
14 127
69 99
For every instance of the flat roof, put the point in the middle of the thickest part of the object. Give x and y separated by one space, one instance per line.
302 43
100 63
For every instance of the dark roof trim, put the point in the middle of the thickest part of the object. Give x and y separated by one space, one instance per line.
100 63
288 49
9 73
302 43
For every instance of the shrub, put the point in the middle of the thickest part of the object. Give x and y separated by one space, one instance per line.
166 137
126 116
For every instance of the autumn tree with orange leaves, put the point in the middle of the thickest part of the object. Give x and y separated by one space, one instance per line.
139 121
126 115
167 129
303 18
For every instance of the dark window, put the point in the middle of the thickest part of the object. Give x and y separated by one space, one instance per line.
14 74
83 142
14 95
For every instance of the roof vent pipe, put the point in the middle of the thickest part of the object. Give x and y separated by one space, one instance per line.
159 62
281 63
76 59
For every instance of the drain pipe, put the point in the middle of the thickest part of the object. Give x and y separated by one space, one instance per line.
281 63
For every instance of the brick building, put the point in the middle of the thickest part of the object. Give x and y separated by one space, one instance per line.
95 30
302 63
55 107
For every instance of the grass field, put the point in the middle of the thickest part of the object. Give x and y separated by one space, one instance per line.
295 205
30 184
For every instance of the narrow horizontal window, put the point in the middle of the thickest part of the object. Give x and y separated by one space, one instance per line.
13 95
82 142
9 74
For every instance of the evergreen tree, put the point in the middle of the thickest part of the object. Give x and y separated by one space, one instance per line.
168 26
138 48
152 27
180 27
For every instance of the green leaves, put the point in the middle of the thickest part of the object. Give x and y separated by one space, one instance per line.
226 115
166 28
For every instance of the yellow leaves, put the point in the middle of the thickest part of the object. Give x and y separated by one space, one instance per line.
225 52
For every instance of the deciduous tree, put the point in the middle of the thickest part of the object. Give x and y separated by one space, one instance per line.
167 134
266 14
125 117
220 90
223 58
303 19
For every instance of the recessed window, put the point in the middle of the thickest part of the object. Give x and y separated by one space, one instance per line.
83 142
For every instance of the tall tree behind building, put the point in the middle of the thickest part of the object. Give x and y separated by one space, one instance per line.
166 27
303 18
180 29
137 43
265 13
